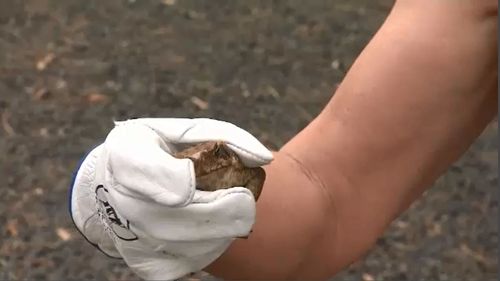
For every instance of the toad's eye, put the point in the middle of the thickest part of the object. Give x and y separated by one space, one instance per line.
221 152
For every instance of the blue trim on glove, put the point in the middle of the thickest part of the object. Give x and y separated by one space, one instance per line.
73 179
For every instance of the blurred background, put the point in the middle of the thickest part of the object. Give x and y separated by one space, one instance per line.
68 68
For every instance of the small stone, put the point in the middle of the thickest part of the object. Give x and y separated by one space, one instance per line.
63 234
41 93
95 98
11 227
201 104
45 61
367 277
168 2
44 132
335 64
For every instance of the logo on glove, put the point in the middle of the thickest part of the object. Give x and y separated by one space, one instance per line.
120 229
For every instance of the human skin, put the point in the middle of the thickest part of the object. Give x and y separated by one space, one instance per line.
419 94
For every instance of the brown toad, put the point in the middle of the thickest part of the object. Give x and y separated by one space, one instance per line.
218 167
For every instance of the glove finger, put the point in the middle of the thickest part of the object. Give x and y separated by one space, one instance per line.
252 152
181 130
201 196
141 166
230 214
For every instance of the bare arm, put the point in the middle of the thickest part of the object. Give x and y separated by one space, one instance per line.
416 98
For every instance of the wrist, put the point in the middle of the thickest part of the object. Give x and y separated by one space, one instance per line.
292 231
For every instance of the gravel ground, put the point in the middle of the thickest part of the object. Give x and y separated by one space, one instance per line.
69 67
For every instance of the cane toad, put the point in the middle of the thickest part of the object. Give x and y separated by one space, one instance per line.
218 167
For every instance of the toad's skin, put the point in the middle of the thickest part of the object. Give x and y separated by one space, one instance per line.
218 167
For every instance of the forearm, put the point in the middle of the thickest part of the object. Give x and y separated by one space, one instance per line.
417 97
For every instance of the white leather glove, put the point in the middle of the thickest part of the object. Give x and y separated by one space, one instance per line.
133 200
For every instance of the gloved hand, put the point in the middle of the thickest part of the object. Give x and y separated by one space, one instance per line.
133 200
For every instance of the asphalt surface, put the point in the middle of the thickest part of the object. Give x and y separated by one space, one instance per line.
68 68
